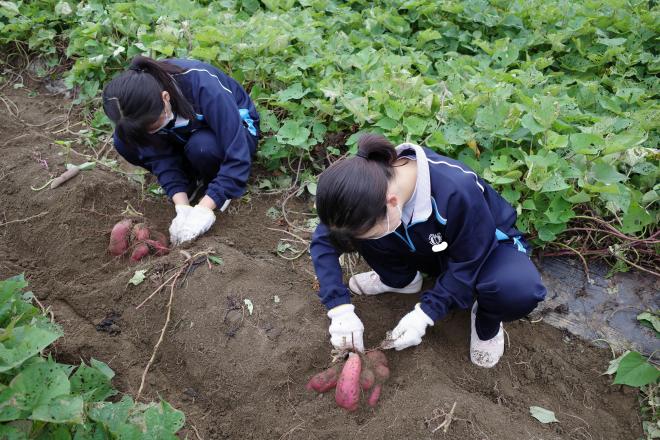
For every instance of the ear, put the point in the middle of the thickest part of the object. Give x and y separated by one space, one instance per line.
392 200
165 95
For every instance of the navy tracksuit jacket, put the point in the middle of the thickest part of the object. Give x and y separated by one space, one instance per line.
216 146
460 230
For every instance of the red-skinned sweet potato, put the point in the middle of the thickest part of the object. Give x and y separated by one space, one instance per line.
367 379
377 357
375 395
141 250
140 232
159 245
119 237
382 373
347 394
325 380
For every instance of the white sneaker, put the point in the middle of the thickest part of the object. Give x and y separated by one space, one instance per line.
369 283
485 353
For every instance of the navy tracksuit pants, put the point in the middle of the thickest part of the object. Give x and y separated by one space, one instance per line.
508 285
202 156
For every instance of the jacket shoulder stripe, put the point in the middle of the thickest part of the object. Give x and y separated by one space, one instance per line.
476 179
209 73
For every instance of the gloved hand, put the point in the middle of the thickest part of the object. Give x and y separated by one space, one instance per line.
410 329
195 222
346 329
182 212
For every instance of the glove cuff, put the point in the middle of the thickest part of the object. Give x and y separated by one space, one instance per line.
422 315
341 310
181 207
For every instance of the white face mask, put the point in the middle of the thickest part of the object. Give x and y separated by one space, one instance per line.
388 231
168 119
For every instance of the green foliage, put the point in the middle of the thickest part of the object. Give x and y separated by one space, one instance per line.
553 101
43 399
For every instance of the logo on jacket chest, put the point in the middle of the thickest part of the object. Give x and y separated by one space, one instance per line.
436 242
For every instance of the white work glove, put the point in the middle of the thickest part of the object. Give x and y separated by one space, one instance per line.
346 329
410 329
195 222
176 227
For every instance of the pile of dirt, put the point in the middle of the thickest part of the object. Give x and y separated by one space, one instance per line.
238 374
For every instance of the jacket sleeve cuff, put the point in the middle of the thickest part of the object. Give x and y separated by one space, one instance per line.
337 300
218 198
171 190
432 313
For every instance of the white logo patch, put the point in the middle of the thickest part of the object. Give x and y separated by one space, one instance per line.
436 242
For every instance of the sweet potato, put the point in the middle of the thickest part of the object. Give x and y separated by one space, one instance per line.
119 237
374 396
163 249
377 357
367 379
324 381
156 248
141 250
140 232
67 175
347 394
382 373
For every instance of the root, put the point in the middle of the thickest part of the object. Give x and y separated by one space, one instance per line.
181 269
448 417
24 220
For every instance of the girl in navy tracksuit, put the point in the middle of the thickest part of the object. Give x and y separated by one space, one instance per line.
192 126
409 210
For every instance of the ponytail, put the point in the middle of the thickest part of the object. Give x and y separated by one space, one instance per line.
351 193
133 99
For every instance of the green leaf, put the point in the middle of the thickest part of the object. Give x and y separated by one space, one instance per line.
63 409
292 133
394 109
294 91
614 364
635 219
26 342
555 140
215 259
415 125
555 183
586 143
606 173
529 122
543 415
635 371
163 421
138 277
650 320
93 383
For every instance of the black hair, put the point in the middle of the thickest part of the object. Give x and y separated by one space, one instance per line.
132 100
351 193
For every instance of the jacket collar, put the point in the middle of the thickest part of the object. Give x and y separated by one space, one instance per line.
422 207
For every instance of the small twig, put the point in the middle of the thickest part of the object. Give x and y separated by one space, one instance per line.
23 220
199 437
447 421
584 261
43 186
156 291
638 266
162 335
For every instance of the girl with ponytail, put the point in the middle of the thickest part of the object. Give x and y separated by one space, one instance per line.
407 211
195 128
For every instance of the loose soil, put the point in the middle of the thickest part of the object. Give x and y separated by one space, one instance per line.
242 375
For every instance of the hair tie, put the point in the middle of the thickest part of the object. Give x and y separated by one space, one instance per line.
362 154
136 69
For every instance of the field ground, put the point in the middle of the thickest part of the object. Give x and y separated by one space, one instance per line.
238 375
